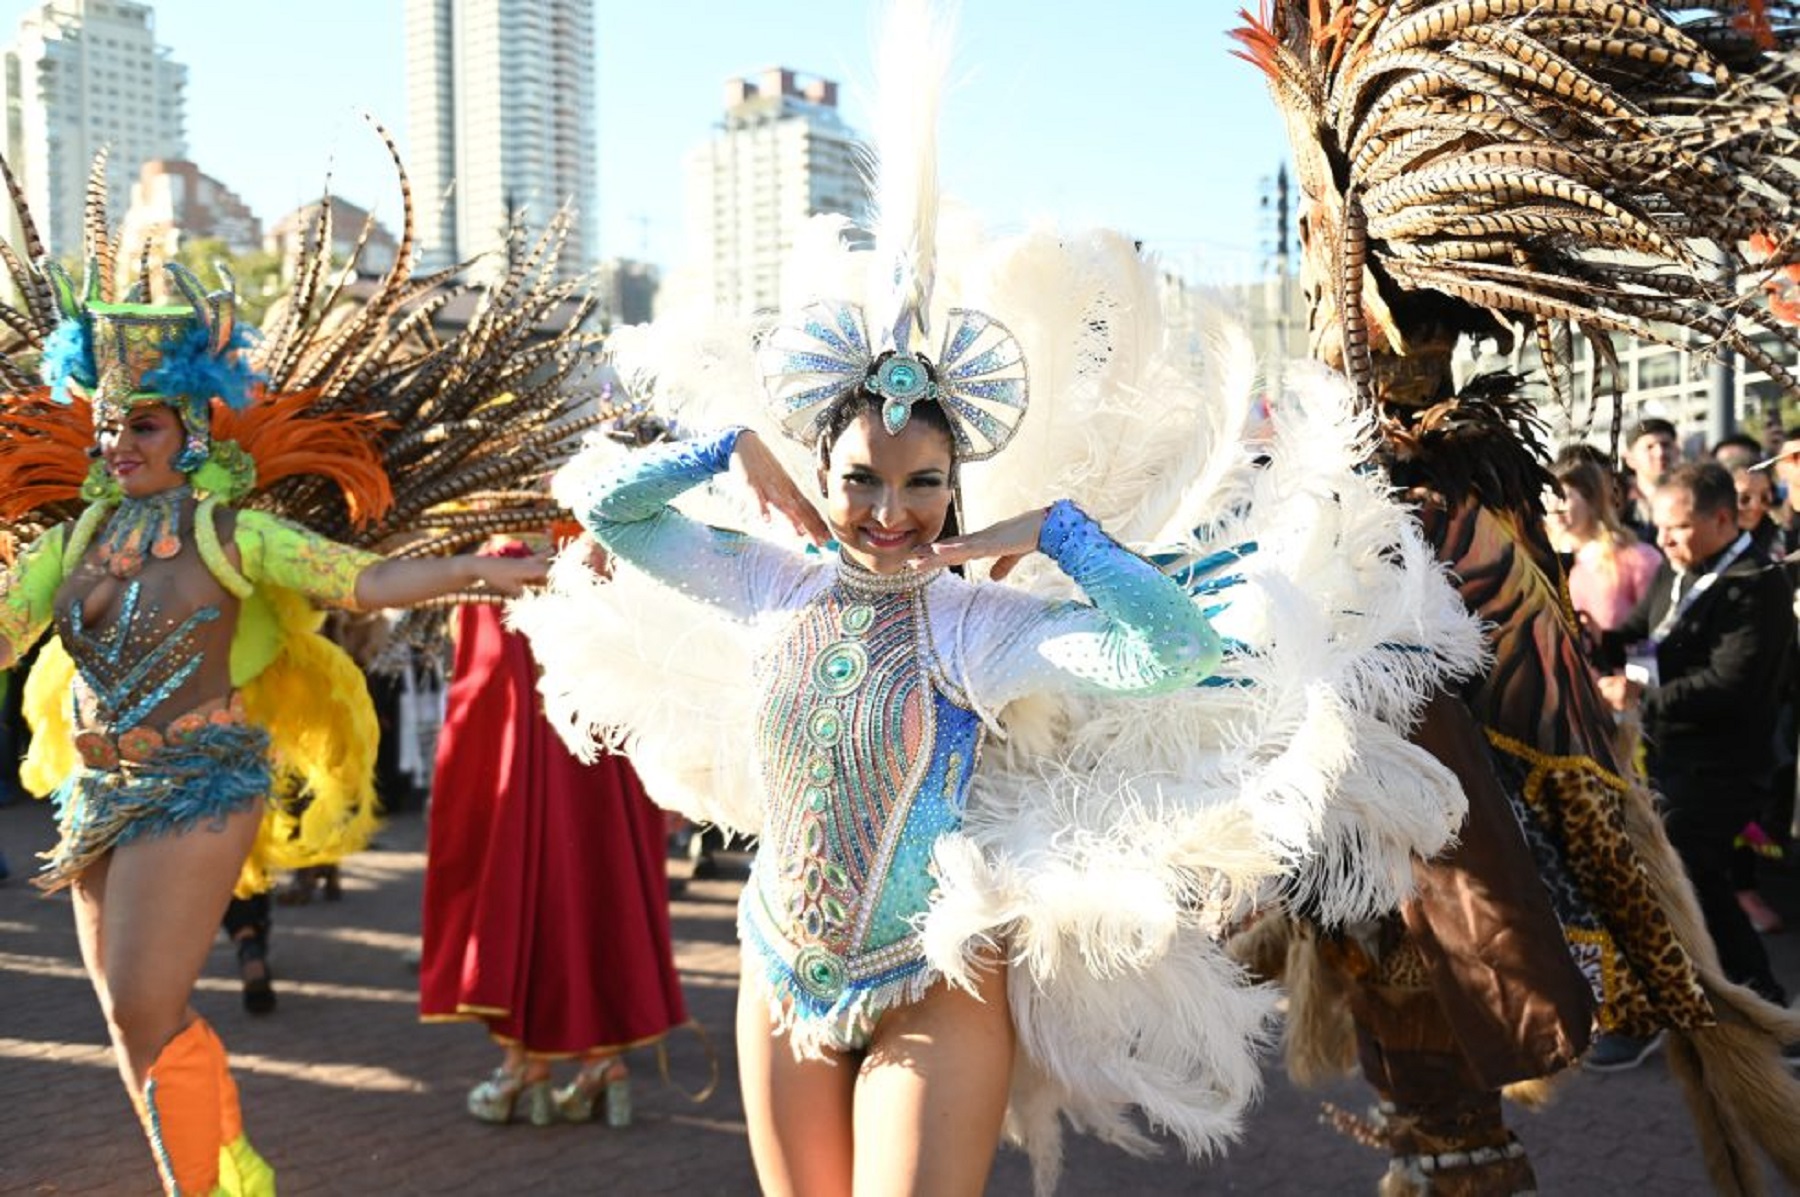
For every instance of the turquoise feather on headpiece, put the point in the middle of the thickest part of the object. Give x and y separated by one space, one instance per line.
192 367
69 349
184 355
68 357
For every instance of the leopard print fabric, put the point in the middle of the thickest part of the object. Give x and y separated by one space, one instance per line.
1404 967
1552 737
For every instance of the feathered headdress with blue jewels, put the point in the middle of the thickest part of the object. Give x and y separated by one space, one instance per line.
123 355
823 356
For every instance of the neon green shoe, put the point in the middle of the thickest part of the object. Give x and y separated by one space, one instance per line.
243 1173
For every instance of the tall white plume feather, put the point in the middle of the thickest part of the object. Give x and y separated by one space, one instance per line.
912 70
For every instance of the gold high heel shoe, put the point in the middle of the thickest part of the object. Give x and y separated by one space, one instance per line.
498 1098
602 1080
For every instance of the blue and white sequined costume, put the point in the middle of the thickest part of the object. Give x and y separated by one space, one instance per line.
875 695
1106 844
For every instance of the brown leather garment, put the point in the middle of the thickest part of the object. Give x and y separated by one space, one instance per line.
1499 966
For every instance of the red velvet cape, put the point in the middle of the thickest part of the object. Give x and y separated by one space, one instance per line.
546 892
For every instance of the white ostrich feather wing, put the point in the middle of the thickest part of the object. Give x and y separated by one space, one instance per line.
1109 841
641 668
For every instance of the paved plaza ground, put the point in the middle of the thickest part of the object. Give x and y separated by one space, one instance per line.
346 1092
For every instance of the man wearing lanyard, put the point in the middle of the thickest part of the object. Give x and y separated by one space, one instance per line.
1706 649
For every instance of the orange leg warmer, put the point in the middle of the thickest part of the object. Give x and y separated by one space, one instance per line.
182 1111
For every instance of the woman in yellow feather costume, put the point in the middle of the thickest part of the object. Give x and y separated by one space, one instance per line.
187 682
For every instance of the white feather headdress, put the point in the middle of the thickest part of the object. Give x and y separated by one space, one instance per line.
823 355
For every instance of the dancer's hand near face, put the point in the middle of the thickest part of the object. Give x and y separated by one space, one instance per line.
1006 543
775 490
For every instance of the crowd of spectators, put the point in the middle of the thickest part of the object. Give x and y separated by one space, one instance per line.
1683 576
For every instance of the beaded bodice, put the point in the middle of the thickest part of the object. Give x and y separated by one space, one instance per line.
149 645
872 696
865 754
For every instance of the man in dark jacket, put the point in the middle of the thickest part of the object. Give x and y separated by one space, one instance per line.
1712 640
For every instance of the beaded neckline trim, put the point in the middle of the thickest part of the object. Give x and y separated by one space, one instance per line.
141 528
856 578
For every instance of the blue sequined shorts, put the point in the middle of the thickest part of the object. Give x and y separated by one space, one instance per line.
821 1001
218 770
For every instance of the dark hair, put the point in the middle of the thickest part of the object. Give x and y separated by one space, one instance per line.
1650 426
1589 479
1708 482
1753 473
1594 482
926 411
1792 434
1580 451
1740 440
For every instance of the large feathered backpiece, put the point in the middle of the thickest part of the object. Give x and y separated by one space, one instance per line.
373 418
1575 166
374 426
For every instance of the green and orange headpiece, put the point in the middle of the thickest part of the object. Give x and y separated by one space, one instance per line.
125 355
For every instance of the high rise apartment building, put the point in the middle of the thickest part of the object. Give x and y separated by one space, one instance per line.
500 121
781 154
82 75
627 290
172 200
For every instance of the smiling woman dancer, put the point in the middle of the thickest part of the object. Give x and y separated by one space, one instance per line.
172 606
1002 823
857 1062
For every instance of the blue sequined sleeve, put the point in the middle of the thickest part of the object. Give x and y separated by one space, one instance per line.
1141 634
630 515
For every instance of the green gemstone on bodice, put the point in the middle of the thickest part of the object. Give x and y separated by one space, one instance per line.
820 972
841 667
826 727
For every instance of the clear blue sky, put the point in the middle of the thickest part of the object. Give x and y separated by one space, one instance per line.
1131 114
